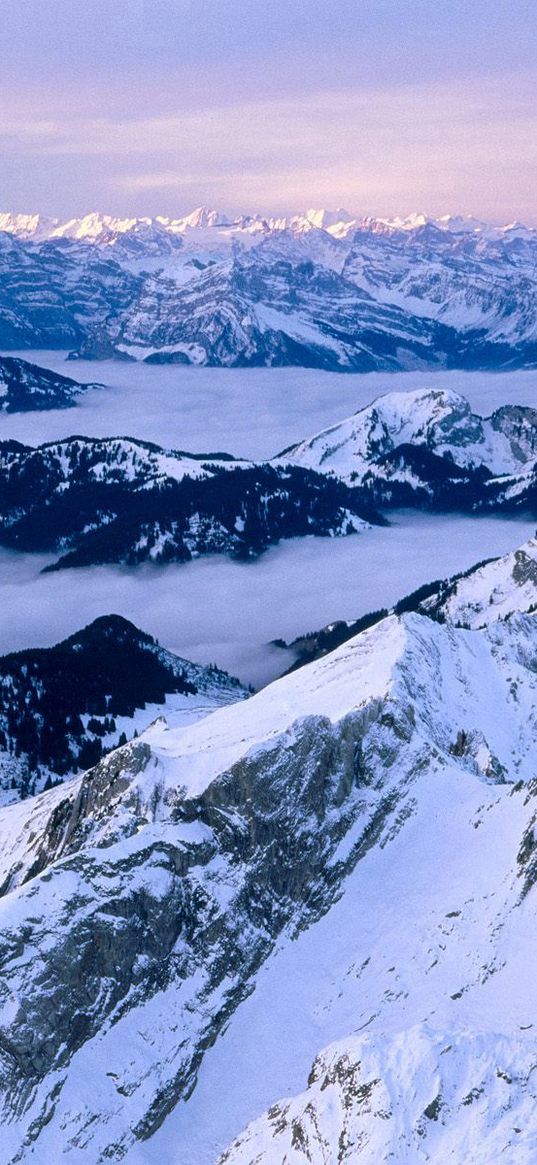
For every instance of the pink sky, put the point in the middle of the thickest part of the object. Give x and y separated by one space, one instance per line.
383 106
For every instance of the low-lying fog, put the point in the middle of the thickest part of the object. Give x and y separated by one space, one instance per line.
217 610
250 413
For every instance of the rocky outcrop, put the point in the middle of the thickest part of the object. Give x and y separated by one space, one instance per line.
141 900
307 290
465 1094
492 590
428 449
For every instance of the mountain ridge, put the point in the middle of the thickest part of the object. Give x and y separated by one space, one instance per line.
314 289
97 500
336 769
121 500
27 387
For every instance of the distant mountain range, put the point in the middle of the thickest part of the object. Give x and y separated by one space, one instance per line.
320 289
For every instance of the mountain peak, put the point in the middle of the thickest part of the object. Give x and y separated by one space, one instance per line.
203 216
327 218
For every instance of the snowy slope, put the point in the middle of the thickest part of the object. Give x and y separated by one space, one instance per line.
495 590
356 838
318 289
476 278
491 590
439 419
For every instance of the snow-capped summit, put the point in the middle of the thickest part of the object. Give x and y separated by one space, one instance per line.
200 218
93 226
438 420
28 226
461 224
517 229
320 288
411 222
350 852
337 222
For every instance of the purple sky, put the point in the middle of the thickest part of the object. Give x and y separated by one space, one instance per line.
382 106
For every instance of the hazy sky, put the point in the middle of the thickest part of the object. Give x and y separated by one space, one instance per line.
157 106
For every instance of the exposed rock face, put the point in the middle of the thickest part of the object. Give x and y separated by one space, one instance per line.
345 295
141 899
98 345
436 422
417 1095
427 448
52 295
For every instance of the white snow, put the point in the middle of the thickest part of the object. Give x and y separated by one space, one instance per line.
496 590
422 969
438 417
97 227
422 952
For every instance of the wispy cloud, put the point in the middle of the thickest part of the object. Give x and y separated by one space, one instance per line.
378 108
396 148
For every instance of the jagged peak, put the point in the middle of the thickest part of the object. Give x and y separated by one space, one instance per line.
96 225
201 217
328 218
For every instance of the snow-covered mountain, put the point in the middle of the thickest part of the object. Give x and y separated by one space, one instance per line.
318 288
427 447
475 279
105 229
94 501
120 500
440 420
356 842
62 708
374 1099
262 308
489 591
26 387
